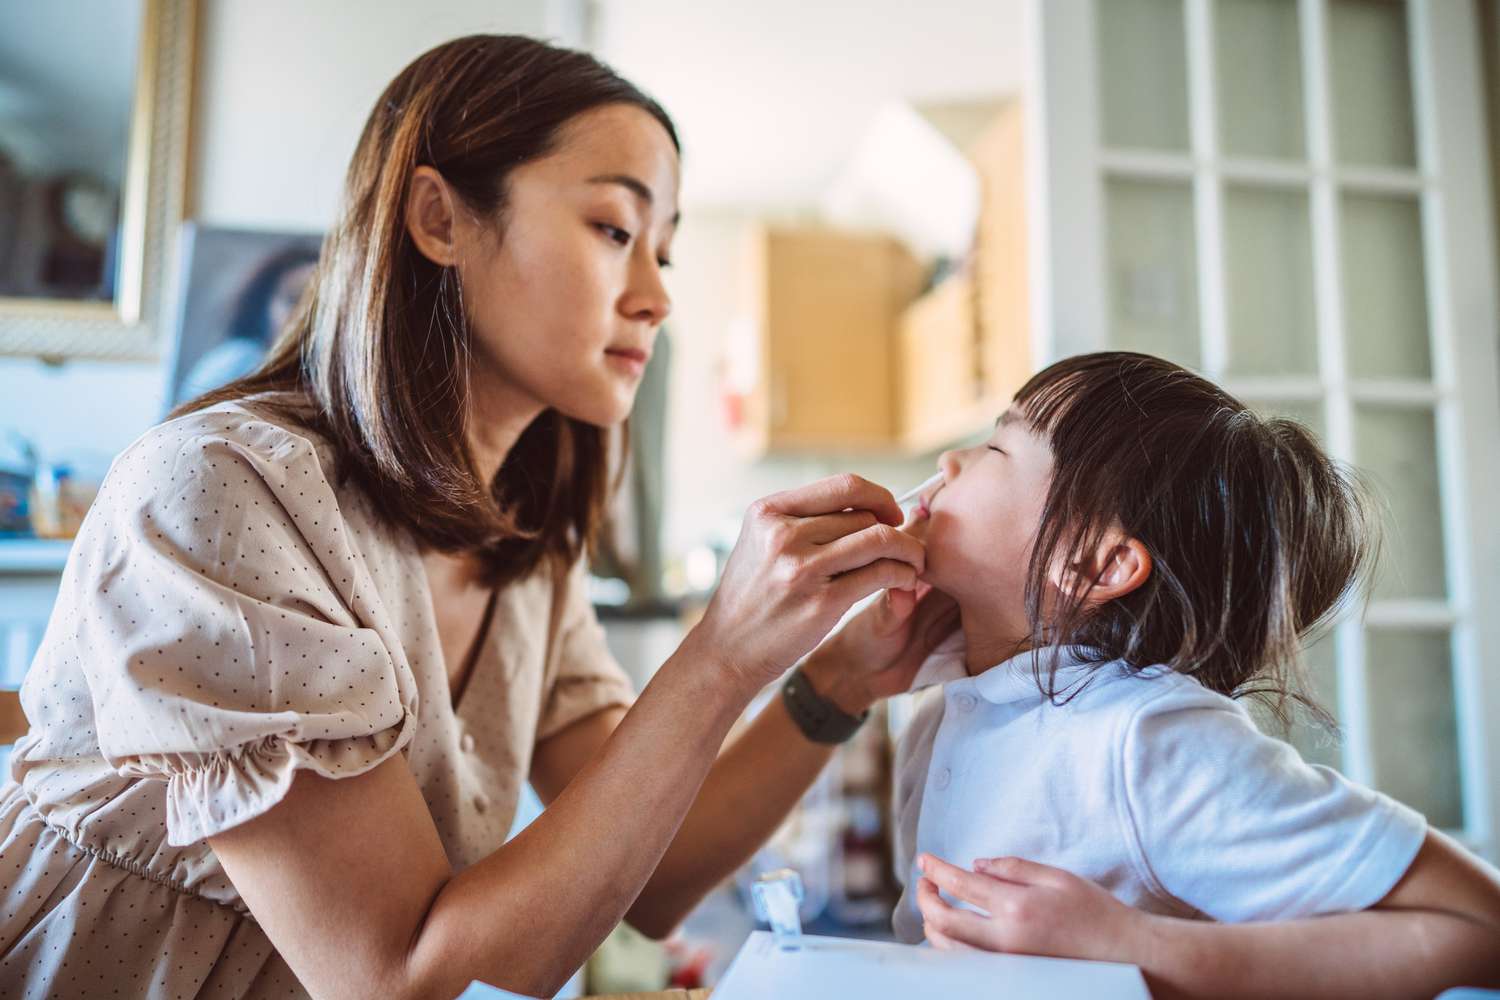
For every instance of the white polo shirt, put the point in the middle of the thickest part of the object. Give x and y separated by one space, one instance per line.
1156 788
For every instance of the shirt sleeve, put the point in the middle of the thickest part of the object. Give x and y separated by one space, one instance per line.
584 676
1235 825
229 634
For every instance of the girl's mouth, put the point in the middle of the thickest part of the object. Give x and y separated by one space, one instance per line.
632 359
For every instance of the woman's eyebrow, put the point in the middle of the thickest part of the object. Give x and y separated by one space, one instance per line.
634 186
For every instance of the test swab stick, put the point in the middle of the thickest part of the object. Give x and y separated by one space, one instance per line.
916 491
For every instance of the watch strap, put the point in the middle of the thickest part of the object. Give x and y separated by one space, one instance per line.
819 719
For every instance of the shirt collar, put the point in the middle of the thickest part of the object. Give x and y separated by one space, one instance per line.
1011 680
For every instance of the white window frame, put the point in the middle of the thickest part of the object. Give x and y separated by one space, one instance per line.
1067 167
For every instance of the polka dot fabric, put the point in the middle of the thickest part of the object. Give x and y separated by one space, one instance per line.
229 616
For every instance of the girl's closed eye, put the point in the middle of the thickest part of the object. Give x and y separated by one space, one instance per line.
995 448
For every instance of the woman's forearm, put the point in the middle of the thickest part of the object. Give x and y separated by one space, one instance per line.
1373 953
570 876
752 786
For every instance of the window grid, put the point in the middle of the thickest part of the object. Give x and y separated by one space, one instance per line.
1333 388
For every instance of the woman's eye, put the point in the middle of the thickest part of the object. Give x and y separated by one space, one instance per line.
615 233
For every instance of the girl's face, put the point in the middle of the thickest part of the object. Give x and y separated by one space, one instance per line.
565 297
983 518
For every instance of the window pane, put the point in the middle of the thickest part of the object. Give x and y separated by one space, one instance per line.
1385 287
1259 57
1143 73
1314 740
1414 726
1152 259
1371 77
1269 282
1397 447
1308 414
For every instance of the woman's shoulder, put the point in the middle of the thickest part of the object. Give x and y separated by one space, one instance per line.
270 428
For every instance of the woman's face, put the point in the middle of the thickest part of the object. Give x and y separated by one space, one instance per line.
565 297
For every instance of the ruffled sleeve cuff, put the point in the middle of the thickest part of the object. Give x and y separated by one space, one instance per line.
209 793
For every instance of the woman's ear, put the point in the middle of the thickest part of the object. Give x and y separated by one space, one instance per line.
430 217
1117 566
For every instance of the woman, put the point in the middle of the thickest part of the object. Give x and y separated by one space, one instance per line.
320 627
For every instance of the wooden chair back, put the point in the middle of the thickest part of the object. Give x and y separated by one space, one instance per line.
13 724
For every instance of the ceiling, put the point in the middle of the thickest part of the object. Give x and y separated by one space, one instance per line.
771 96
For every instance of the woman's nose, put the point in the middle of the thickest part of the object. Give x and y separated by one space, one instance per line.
647 298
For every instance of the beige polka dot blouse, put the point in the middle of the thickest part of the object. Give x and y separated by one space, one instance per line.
228 616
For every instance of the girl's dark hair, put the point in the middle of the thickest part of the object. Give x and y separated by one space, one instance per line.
377 352
1257 537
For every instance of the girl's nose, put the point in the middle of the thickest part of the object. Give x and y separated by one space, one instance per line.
949 465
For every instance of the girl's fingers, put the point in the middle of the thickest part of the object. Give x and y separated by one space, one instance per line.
943 942
1021 870
965 885
956 925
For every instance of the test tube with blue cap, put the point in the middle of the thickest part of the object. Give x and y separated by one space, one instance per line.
777 894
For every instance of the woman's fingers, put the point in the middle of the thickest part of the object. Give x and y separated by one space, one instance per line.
827 528
882 574
836 493
936 618
865 547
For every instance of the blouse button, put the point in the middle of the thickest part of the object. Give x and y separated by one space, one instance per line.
967 702
481 802
466 743
943 779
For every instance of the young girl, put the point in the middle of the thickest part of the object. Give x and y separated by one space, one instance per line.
1130 550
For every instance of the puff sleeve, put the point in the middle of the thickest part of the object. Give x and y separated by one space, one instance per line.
228 630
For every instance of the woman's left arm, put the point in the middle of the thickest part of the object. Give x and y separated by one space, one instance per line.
763 772
1439 927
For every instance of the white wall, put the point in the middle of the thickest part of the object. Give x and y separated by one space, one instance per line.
286 85
769 95
283 89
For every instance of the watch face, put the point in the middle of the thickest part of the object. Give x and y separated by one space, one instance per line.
88 209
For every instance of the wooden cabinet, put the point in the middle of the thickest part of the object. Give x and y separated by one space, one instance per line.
822 308
840 348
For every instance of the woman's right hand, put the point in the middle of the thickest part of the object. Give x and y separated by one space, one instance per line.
804 557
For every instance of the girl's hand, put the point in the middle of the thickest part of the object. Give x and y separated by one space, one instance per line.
1032 908
803 559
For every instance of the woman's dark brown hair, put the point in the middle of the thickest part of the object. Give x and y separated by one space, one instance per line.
1257 538
378 348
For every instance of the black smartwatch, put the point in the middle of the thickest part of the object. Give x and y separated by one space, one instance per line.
819 719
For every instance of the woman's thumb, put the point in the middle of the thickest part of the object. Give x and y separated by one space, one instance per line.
896 607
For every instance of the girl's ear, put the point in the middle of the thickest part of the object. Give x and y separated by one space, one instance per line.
430 216
1116 566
